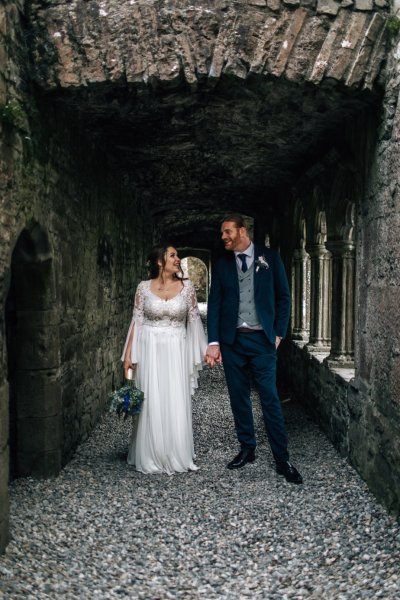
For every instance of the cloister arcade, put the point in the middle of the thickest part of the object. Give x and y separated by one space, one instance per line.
146 122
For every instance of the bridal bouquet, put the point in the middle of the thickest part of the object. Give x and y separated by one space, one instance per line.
127 400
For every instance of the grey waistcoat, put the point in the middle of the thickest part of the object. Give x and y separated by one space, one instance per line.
247 307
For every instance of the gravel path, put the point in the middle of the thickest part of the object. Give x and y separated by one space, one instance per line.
101 530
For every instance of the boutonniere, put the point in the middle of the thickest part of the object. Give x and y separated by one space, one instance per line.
261 262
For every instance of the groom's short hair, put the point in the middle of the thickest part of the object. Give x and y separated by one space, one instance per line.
235 218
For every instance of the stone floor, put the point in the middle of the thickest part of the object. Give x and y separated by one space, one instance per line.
101 530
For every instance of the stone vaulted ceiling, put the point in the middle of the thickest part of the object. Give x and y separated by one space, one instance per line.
209 105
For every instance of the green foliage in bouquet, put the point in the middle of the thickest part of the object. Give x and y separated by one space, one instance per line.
127 400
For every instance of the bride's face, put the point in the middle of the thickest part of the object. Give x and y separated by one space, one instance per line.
172 261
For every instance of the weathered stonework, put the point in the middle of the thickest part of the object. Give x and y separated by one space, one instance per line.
377 381
169 39
74 233
357 402
144 121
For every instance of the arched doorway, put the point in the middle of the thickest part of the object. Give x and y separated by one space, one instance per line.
32 340
195 269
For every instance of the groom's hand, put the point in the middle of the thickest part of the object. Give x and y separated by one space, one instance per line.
213 355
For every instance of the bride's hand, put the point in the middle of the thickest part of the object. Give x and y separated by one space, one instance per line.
128 365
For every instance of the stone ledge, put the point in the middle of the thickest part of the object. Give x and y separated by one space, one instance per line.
345 373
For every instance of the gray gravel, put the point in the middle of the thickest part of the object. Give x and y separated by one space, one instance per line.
101 530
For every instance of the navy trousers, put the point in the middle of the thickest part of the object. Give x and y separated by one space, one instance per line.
255 352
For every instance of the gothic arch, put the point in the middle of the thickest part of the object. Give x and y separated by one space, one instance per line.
347 230
196 270
321 229
344 196
32 341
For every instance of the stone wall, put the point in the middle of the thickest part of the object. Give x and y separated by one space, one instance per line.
9 18
74 233
360 408
375 427
326 393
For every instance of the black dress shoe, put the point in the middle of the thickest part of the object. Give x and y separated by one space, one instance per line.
246 455
290 472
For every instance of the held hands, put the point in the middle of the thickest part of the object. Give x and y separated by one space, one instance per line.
213 355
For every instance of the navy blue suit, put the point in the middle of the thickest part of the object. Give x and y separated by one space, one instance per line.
256 351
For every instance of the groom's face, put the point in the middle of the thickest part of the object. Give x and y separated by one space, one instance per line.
231 235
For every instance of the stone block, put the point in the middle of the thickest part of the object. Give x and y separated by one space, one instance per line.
37 340
4 416
291 34
40 464
38 435
38 394
291 2
381 3
364 4
274 5
328 7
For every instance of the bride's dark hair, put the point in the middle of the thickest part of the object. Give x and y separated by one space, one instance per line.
158 255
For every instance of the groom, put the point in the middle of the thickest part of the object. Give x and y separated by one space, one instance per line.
248 314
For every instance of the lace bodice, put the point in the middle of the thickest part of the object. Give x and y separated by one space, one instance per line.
151 310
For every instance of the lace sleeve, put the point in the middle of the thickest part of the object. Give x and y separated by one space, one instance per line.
136 322
193 309
196 342
138 306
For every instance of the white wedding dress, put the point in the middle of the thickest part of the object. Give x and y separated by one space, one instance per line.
168 347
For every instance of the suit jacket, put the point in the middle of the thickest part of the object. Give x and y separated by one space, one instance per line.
271 296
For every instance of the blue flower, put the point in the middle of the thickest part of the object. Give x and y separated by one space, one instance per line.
127 400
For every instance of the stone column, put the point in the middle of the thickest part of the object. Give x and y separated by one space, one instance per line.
301 303
343 277
320 299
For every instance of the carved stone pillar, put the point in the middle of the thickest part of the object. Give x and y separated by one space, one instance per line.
320 299
343 276
301 295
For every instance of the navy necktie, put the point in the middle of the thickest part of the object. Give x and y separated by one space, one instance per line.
244 264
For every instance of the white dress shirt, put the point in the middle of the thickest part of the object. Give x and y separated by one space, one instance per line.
249 252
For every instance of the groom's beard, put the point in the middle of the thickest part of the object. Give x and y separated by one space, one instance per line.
232 242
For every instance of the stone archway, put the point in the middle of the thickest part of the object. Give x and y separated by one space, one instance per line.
196 270
32 339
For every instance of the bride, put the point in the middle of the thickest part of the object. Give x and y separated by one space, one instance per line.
166 343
